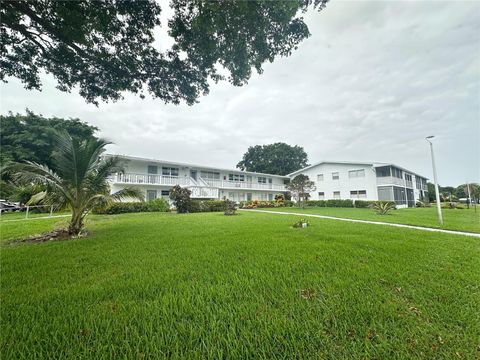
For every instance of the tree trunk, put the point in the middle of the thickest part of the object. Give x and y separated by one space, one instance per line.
76 223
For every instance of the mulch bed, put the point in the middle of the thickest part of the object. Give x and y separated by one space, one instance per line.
55 235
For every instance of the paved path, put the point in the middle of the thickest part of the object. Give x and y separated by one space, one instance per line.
368 222
35 218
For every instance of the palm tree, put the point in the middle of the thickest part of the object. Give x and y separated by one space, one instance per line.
78 179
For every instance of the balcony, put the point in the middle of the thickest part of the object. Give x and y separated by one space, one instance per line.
131 178
151 179
390 180
226 184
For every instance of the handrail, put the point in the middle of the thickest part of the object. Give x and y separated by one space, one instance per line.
154 179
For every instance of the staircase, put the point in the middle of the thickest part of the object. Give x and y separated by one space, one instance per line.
201 190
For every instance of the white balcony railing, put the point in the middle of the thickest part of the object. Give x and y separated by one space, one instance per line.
131 178
226 184
390 180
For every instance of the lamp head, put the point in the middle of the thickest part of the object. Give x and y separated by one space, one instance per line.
430 137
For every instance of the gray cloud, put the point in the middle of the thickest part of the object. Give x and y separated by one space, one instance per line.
373 80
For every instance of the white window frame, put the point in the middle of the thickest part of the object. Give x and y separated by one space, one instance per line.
356 173
236 177
337 193
170 171
337 175
262 180
320 177
321 195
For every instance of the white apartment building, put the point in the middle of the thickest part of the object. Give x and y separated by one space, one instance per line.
366 181
157 177
333 180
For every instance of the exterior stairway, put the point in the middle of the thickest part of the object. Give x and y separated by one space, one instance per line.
201 190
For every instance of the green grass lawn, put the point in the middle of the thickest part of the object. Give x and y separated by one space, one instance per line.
453 219
213 286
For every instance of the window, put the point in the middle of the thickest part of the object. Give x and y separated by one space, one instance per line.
335 176
358 194
210 175
249 196
263 196
262 180
336 195
169 171
321 196
165 193
231 195
241 196
270 197
320 177
418 182
152 169
151 195
383 171
408 177
356 173
236 177
397 173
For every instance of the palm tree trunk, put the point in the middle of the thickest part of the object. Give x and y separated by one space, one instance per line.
76 223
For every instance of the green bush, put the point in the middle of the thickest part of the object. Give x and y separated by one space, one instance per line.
197 206
347 203
157 205
181 199
362 204
320 203
259 204
383 207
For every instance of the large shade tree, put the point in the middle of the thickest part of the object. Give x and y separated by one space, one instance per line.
105 48
278 158
77 180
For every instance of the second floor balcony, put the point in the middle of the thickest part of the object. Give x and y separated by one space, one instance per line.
154 179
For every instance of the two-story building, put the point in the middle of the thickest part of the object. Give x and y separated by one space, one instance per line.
366 181
333 180
157 177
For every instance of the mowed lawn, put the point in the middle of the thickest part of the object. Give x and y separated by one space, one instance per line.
453 219
213 286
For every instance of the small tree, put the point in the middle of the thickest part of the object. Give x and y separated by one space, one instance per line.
78 179
181 198
300 187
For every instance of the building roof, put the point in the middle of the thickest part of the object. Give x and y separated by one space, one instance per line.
193 165
374 164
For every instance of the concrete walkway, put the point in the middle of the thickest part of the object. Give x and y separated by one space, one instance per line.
34 218
367 222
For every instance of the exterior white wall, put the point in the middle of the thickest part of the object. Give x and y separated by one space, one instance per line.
226 188
344 184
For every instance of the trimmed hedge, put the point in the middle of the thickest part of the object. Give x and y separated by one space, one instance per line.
157 205
207 206
259 204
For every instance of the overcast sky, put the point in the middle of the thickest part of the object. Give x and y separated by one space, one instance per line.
371 82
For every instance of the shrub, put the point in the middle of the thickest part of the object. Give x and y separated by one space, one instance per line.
321 203
181 199
206 206
383 207
258 204
301 223
362 204
347 203
279 198
157 205
230 207
420 204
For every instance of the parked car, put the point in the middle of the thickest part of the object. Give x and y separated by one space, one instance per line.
9 206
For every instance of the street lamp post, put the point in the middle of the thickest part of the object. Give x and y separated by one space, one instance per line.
437 193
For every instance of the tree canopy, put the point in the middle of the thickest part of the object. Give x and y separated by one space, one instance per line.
107 48
278 158
31 137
